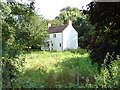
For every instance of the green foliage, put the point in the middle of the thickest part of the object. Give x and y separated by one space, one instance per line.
67 70
78 51
57 70
10 50
109 76
55 22
85 30
30 29
107 29
69 13
21 28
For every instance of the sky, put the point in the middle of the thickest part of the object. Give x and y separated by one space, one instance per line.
51 8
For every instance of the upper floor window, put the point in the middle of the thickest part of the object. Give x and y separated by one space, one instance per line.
54 35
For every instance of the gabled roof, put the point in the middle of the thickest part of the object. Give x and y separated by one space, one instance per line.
57 29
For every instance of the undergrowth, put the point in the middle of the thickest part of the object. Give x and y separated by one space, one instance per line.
68 69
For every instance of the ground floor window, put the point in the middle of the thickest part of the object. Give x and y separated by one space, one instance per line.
52 48
52 44
60 45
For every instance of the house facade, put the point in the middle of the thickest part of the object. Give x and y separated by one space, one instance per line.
61 38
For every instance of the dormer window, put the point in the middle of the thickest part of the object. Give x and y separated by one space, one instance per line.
54 35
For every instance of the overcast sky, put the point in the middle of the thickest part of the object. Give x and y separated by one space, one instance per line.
51 8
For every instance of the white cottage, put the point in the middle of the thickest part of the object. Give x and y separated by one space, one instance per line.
61 37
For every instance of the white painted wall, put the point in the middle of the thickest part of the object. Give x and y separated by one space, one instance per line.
55 41
70 38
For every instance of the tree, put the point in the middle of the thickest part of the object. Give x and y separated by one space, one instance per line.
30 28
9 48
21 28
55 22
84 29
69 13
106 19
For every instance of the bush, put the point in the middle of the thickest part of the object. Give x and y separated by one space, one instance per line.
109 76
78 50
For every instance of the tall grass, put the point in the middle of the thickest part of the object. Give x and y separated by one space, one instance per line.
57 69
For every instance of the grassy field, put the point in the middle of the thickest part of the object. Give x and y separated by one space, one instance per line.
57 69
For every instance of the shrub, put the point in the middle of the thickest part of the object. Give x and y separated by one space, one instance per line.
109 76
78 50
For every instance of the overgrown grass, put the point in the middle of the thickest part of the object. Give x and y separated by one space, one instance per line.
57 69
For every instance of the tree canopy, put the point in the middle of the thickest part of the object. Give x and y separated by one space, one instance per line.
105 17
69 13
22 28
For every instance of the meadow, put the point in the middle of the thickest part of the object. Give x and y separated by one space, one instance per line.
57 69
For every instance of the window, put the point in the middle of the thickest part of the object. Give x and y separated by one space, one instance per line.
52 44
54 35
60 45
